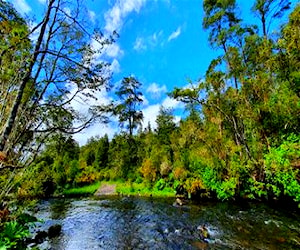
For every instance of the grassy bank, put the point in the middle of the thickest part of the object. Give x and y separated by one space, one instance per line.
140 189
122 188
82 191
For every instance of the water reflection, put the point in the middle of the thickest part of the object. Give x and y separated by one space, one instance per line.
139 223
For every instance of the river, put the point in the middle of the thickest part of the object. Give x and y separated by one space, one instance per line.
145 223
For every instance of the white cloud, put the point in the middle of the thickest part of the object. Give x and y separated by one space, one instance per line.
175 34
171 103
92 15
114 18
145 101
150 113
67 11
34 36
43 1
115 66
113 50
94 130
81 104
22 6
155 38
142 43
110 50
177 119
139 44
155 90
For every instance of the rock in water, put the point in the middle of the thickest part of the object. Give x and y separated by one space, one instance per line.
204 235
54 231
40 237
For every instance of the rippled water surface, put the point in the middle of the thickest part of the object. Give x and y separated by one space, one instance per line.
141 223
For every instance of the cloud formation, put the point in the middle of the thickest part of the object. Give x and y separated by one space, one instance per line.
175 34
139 44
150 112
98 129
92 15
22 6
171 103
115 66
113 50
81 104
155 90
114 18
143 43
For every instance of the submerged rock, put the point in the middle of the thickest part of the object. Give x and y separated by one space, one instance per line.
204 234
54 231
40 237
179 202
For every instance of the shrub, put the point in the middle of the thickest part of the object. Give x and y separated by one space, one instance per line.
13 233
160 184
281 176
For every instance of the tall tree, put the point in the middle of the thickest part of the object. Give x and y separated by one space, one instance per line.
48 74
131 98
268 10
165 125
102 152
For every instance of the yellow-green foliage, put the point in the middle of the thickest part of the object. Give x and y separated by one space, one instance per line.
148 170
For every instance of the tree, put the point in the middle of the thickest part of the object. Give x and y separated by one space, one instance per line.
45 75
242 122
165 125
131 99
268 10
102 152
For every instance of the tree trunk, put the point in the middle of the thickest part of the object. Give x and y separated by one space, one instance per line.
14 111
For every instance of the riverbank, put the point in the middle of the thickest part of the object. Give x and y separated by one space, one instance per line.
105 188
119 188
82 191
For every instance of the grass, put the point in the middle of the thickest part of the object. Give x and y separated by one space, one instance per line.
82 191
123 188
140 189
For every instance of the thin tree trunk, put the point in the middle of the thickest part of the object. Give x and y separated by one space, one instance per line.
14 111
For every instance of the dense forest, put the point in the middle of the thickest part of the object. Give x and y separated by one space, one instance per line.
240 138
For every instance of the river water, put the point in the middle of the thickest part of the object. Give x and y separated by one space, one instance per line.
145 223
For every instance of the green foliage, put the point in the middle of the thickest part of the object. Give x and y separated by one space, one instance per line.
142 189
282 177
160 184
85 190
14 232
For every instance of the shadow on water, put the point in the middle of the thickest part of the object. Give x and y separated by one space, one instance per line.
142 223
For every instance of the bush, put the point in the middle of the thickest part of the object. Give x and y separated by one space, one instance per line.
160 184
281 176
13 233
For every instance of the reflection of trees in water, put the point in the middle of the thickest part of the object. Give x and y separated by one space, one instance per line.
126 228
59 208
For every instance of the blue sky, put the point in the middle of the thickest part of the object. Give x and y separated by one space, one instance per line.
161 43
